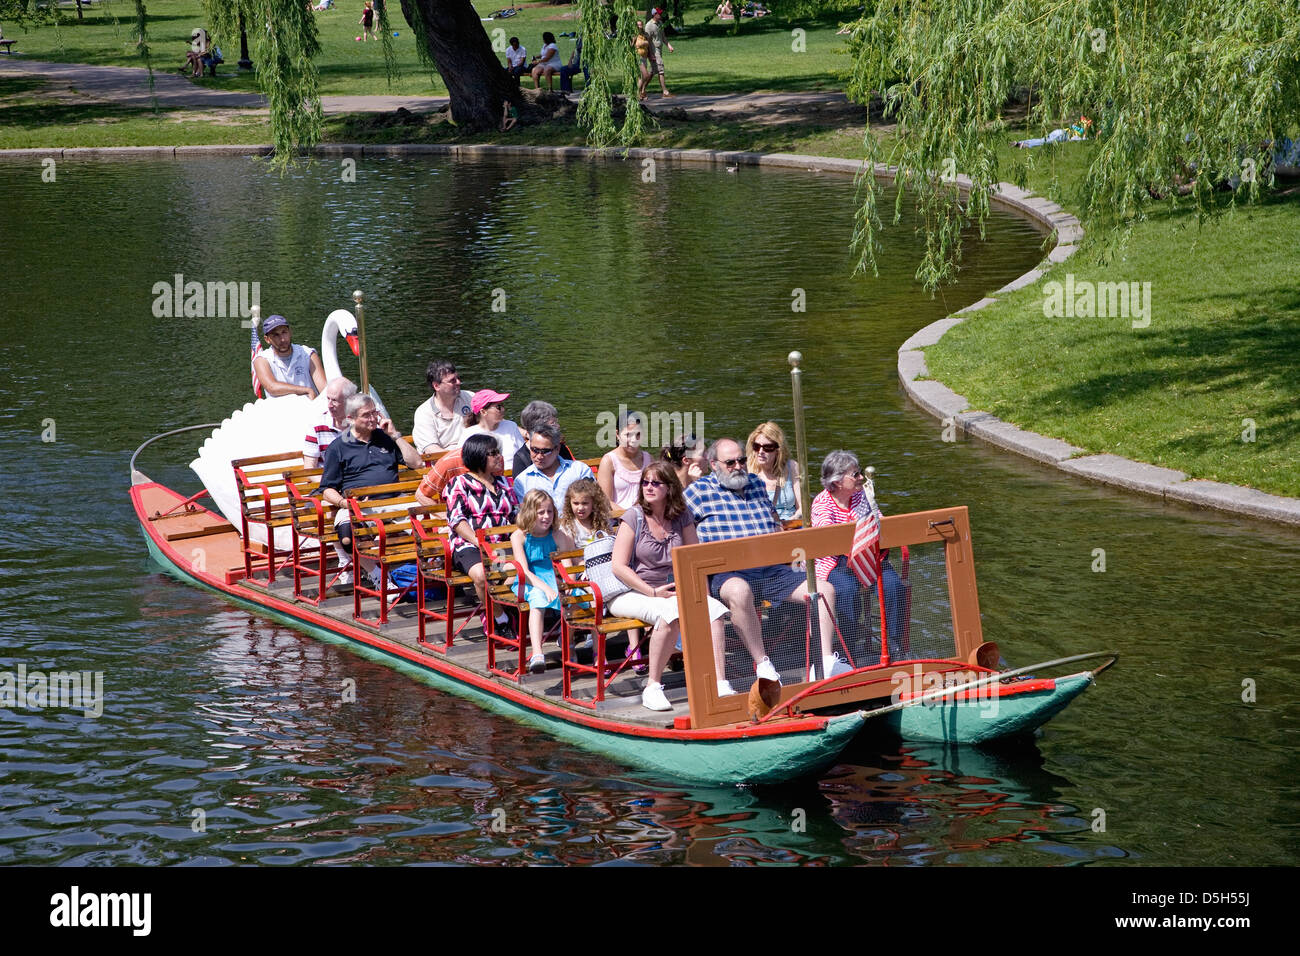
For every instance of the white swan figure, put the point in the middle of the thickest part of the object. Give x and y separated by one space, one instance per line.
271 425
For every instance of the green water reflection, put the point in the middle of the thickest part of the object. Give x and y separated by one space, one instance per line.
671 296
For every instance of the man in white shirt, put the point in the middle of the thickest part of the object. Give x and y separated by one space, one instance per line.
516 58
283 368
440 422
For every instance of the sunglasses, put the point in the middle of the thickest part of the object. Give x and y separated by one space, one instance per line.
651 483
534 450
764 446
731 462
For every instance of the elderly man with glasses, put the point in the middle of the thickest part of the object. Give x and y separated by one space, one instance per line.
549 472
368 453
732 503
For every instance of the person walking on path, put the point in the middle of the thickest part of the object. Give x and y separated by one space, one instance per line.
654 31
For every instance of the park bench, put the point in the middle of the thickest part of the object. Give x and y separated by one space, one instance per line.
7 45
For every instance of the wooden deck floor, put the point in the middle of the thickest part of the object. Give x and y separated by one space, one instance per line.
622 697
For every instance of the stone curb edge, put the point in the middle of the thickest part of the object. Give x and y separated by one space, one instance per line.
931 395
952 409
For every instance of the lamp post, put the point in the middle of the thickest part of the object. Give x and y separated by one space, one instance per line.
244 62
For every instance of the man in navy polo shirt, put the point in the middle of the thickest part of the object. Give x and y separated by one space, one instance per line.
732 503
366 454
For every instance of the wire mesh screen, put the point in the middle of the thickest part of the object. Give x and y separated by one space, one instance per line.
918 616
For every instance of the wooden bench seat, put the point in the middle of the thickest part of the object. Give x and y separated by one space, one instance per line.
583 611
434 543
381 535
504 588
264 500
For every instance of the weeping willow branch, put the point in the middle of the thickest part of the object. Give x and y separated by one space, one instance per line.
1184 97
612 62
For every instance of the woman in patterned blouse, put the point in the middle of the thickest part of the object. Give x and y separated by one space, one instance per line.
480 498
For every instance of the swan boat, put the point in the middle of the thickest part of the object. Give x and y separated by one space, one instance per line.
936 679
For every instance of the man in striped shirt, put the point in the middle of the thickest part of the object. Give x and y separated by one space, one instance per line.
329 424
732 503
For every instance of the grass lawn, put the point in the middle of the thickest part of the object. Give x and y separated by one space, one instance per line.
1218 355
1216 360
709 58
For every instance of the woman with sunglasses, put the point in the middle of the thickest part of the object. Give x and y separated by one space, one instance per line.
845 500
487 416
658 522
768 456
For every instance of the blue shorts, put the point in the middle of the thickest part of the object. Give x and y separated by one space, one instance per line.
775 582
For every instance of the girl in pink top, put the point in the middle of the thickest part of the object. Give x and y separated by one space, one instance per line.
620 470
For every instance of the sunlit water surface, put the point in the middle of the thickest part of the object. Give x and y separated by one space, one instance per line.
672 296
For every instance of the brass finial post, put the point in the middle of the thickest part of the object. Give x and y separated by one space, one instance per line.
358 298
805 502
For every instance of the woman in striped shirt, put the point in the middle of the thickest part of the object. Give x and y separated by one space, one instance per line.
843 500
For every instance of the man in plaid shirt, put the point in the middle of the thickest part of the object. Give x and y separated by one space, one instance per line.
732 503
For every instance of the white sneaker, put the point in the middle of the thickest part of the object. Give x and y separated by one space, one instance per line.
832 666
652 698
725 689
343 580
766 671
537 664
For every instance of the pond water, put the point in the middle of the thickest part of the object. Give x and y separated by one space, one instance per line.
672 296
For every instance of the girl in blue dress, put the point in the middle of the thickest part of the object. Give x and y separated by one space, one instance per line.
534 541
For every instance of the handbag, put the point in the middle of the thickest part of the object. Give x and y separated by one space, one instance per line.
598 559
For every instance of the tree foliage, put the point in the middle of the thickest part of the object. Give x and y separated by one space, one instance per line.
282 42
612 61
1184 97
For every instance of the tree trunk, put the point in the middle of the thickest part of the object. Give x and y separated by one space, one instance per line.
463 55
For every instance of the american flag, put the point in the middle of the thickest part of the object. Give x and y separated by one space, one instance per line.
256 346
864 559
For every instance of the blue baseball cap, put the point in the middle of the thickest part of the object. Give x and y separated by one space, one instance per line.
273 322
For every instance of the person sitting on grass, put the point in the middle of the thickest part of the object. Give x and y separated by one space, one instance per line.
724 11
548 62
534 541
509 115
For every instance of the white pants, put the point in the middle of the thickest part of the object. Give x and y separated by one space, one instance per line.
653 610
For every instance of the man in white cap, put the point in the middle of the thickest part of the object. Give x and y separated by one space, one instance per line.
284 368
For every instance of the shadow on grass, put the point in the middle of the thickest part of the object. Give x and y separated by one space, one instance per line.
14 84
1257 342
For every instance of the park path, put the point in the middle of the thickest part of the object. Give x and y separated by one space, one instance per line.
129 87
